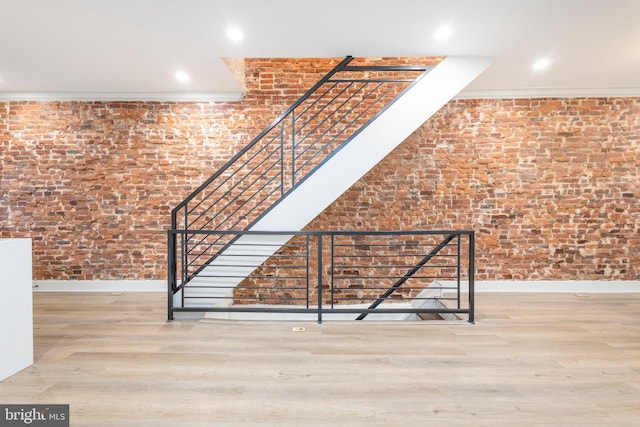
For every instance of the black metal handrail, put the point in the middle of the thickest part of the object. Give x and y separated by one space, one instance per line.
282 156
339 272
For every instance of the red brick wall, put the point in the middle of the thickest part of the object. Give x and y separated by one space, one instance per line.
93 183
551 186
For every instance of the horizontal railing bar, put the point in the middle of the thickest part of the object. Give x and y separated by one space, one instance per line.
342 296
290 288
348 253
395 255
249 245
252 254
362 287
348 294
260 265
247 265
367 266
253 287
230 257
237 298
365 300
369 256
251 309
411 288
337 290
325 233
386 245
371 80
268 300
230 276
426 287
373 246
347 68
364 278
259 254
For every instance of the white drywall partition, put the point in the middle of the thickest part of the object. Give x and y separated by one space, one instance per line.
16 312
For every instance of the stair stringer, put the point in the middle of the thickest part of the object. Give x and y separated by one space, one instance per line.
337 174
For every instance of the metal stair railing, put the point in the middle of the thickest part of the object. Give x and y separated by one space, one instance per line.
282 156
338 275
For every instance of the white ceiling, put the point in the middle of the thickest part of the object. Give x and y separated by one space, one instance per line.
131 49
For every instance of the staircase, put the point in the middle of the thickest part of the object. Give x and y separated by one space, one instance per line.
310 155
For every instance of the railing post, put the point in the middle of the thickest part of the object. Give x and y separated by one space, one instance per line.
472 267
293 147
282 159
171 274
332 269
458 270
183 242
307 269
319 278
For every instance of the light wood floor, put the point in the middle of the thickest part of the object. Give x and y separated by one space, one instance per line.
530 360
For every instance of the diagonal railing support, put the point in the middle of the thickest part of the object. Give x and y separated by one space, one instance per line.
408 275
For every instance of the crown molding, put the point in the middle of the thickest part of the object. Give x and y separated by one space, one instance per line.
237 96
123 96
633 92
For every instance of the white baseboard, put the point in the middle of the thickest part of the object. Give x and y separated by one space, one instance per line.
553 286
99 286
512 286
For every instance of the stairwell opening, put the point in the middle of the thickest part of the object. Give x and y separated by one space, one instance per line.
293 170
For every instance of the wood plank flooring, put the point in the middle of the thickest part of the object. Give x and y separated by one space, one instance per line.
553 360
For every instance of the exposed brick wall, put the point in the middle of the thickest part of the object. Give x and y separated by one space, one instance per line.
93 182
550 185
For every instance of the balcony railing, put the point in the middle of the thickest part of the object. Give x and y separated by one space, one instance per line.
332 274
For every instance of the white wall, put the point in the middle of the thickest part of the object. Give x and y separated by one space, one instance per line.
16 308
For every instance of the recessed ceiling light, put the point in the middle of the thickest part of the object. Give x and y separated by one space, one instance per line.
182 77
235 34
541 64
443 33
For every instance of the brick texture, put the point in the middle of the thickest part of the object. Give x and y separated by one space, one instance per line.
550 185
